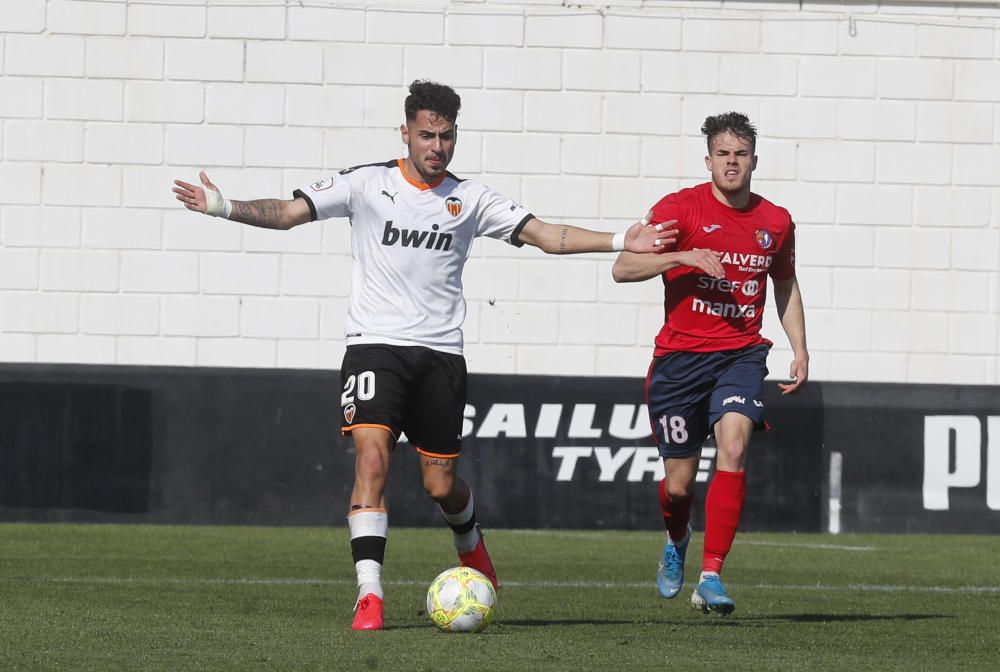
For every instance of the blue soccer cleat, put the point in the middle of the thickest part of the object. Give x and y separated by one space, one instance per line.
670 573
710 596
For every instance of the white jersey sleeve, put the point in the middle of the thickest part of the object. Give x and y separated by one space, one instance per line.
500 217
333 196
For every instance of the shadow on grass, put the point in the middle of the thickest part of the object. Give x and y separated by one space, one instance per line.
534 623
522 622
840 618
707 620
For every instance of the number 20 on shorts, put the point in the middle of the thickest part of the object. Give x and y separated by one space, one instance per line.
365 384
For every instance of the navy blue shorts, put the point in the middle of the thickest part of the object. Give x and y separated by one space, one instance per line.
687 393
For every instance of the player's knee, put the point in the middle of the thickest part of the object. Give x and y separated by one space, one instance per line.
438 486
731 453
679 490
372 464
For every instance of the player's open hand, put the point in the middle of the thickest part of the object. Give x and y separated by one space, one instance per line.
645 236
798 372
197 198
706 260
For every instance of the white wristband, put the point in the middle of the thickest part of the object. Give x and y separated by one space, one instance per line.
618 242
216 205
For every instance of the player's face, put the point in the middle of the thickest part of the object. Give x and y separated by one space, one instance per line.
731 161
430 139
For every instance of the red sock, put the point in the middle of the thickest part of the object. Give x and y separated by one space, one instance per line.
676 512
723 506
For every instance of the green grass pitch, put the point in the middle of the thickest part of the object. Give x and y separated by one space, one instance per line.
111 597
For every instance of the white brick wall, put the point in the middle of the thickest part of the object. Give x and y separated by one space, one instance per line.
27 16
522 69
121 228
82 184
80 16
42 55
182 20
880 135
485 29
115 314
546 111
799 37
124 58
837 77
641 31
325 24
205 60
877 119
20 97
18 269
569 29
124 143
177 102
200 316
43 141
284 62
86 99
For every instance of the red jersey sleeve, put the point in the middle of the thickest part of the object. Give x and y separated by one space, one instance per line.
670 208
783 266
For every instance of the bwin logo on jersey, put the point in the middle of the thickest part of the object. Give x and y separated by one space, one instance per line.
454 205
431 240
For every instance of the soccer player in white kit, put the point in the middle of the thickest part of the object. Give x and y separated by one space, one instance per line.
412 227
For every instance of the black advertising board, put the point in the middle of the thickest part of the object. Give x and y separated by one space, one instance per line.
561 452
250 446
916 458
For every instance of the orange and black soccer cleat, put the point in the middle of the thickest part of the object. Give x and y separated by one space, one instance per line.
368 614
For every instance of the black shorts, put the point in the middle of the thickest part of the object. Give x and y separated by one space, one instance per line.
687 393
409 389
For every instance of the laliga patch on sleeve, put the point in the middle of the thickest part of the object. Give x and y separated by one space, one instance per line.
323 184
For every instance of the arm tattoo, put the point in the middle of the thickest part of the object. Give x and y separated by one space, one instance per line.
265 213
562 240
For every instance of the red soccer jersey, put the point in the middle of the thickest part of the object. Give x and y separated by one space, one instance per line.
704 314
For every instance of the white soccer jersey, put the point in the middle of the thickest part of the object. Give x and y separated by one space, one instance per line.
410 243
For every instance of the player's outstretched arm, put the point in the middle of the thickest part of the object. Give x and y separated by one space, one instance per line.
793 321
564 239
267 213
631 267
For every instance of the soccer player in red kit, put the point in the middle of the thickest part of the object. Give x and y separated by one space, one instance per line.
709 362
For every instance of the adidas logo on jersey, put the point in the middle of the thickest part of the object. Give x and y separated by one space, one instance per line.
430 240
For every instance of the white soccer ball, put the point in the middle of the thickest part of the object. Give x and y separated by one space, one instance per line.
461 599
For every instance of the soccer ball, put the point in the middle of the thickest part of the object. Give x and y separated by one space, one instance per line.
461 599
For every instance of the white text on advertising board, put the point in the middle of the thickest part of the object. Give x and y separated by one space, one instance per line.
628 422
954 457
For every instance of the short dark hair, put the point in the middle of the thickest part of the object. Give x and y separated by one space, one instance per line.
736 123
438 98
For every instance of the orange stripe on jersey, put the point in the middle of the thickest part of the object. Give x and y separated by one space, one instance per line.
344 431
419 185
448 456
